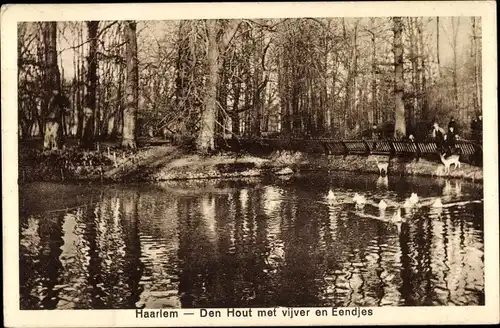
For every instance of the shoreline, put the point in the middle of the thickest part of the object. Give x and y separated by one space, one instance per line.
169 163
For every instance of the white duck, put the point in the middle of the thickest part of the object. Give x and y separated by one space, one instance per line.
407 203
437 203
413 198
330 196
396 218
382 205
359 200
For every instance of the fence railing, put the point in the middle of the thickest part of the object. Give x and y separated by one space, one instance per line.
359 147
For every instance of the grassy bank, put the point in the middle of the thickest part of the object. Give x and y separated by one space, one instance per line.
167 162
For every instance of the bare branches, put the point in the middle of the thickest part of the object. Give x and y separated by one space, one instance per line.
313 75
104 29
229 33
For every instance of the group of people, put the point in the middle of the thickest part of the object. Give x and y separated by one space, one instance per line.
445 141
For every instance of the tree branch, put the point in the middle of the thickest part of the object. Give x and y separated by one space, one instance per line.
101 32
229 33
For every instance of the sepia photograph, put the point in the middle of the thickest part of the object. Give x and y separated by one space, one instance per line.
231 163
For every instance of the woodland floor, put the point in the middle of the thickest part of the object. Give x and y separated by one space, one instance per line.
157 160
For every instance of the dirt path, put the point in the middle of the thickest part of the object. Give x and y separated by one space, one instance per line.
143 163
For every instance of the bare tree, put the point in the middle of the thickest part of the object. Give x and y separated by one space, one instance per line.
52 124
455 23
206 136
437 46
477 65
89 122
132 87
400 124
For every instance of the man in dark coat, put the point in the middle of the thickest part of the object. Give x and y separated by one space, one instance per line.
477 128
451 138
477 135
452 125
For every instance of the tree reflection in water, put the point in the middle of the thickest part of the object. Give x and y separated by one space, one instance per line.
254 244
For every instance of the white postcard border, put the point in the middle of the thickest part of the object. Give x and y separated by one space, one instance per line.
11 14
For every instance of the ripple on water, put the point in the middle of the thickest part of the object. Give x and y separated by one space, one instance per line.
271 244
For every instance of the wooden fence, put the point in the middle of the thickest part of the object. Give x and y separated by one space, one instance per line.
357 147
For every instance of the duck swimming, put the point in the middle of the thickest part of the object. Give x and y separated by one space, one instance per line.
382 205
407 203
330 196
437 203
359 200
397 216
414 198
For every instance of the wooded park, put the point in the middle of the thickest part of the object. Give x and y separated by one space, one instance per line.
201 81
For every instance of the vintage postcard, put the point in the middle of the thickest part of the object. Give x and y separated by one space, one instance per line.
250 164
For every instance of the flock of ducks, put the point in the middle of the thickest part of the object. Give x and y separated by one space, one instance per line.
412 201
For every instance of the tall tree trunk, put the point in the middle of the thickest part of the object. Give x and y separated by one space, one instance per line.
205 142
422 73
132 87
454 24
414 57
257 78
52 123
477 63
185 66
355 94
235 118
118 115
375 117
89 126
222 95
325 110
283 95
437 47
400 124
80 85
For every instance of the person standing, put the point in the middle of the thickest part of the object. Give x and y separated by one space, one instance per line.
439 135
452 125
451 138
375 134
477 128
477 135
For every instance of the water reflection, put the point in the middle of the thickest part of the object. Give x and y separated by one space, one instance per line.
283 243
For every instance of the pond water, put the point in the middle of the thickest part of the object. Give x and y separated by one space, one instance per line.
255 243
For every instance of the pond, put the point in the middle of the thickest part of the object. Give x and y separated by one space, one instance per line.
251 243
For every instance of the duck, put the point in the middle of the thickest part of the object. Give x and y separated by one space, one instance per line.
397 216
437 203
414 198
407 203
359 200
382 205
330 196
